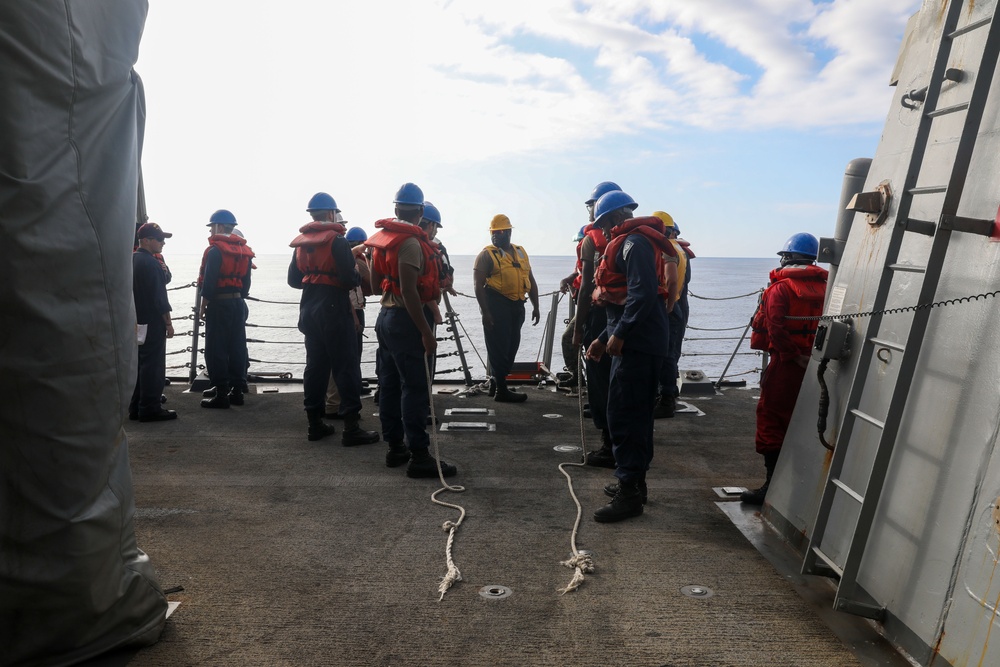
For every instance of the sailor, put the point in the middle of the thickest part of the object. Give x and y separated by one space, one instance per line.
406 270
666 404
152 314
571 284
355 239
632 280
225 282
591 321
797 289
323 267
430 222
502 277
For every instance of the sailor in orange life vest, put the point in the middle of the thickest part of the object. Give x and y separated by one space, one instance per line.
591 321
323 268
225 281
571 284
502 276
796 289
406 268
633 280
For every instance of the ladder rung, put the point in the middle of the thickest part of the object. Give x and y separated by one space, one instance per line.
881 342
929 190
969 28
868 418
944 111
907 268
829 561
925 227
848 490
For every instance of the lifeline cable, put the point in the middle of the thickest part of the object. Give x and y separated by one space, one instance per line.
453 573
582 563
896 311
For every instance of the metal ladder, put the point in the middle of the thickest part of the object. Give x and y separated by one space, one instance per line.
851 597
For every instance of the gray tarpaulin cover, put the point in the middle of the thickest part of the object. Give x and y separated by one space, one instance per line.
73 582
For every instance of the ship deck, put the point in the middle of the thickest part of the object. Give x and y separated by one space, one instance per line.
293 552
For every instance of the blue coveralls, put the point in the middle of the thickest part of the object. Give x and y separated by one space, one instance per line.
642 324
150 293
327 322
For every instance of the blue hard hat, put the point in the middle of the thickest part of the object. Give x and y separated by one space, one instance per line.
612 201
677 229
222 217
432 213
600 190
580 234
322 202
356 235
801 244
409 194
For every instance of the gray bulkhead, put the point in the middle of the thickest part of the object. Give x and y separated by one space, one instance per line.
935 539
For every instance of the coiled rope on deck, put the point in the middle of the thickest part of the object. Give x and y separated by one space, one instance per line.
453 574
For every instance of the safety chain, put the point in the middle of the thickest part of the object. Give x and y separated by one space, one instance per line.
258 361
171 289
724 329
723 298
473 296
271 326
283 303
895 311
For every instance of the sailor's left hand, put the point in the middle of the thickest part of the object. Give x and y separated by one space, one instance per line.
615 345
534 316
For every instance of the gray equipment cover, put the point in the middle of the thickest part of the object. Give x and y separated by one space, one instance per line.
73 583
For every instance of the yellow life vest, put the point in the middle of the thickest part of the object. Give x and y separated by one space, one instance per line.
510 272
682 261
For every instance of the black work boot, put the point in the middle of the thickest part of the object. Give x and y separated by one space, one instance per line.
756 497
236 396
317 428
209 393
626 504
611 490
603 457
397 455
424 465
220 400
505 395
355 435
665 407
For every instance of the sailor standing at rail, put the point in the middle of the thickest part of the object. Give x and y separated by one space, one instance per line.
323 268
797 288
666 405
633 280
225 282
502 277
406 269
591 321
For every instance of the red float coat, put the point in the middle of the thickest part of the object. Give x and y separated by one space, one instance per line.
796 290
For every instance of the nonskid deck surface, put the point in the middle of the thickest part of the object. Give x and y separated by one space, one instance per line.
293 552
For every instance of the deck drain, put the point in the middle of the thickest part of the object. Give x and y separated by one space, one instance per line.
552 415
697 591
566 448
495 592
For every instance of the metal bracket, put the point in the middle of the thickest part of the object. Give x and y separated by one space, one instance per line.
957 223
831 251
874 204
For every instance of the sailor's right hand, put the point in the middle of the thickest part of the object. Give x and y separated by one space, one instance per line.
487 319
577 337
596 350
430 343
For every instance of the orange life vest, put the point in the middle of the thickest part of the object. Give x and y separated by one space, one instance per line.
596 235
236 256
314 252
610 281
808 284
385 258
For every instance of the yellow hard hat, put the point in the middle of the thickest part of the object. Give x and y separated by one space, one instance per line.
499 223
665 217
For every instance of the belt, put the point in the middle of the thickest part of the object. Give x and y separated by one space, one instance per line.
227 295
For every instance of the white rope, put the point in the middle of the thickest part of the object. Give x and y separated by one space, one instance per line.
581 563
450 527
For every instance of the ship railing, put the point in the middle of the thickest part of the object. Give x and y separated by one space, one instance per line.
703 346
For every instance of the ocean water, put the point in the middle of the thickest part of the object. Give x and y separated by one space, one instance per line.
724 296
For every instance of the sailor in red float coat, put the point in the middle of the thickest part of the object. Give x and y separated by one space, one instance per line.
797 288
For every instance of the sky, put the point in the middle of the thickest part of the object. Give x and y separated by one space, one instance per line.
737 117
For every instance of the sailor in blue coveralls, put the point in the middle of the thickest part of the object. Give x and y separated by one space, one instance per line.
630 281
